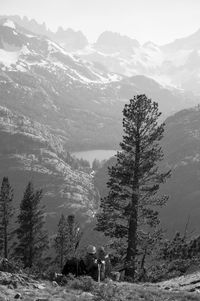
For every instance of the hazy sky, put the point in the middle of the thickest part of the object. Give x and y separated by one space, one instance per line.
160 21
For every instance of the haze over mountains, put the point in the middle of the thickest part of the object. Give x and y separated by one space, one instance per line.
81 101
58 93
176 63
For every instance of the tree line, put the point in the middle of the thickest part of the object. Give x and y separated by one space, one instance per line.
24 237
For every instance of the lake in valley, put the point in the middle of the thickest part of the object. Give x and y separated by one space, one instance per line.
90 155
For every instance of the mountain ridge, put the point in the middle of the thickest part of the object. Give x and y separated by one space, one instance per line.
169 64
79 100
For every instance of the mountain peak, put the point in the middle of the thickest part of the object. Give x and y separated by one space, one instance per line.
70 39
116 41
8 23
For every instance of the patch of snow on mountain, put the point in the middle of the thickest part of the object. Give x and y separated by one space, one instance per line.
52 46
9 23
21 68
90 50
25 50
30 35
114 77
7 57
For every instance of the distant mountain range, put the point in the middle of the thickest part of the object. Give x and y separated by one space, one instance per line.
176 64
80 101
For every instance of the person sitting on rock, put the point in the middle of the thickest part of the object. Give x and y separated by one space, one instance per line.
91 262
104 260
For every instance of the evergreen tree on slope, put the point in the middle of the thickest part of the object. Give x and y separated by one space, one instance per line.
61 241
32 238
6 213
130 206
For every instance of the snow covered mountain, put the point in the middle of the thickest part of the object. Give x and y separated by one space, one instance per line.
69 38
41 80
78 100
175 64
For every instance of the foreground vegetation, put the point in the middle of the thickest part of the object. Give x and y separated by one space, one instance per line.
84 289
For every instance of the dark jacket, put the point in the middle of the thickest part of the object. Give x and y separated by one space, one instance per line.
91 265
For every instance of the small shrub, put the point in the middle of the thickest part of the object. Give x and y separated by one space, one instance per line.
107 292
86 284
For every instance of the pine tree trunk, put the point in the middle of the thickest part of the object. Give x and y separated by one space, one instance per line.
132 245
5 242
61 258
132 231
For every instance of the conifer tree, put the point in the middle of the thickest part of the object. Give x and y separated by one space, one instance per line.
32 238
6 213
135 179
67 239
61 240
96 164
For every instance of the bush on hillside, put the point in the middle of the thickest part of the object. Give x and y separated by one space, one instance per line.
84 283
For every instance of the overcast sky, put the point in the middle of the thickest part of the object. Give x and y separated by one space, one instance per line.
160 21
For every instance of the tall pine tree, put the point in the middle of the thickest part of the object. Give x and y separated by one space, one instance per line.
135 179
6 213
32 238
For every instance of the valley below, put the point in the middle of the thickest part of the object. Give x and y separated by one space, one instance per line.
91 155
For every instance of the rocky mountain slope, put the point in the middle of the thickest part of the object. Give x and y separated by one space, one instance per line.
181 145
69 39
30 152
78 100
175 64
